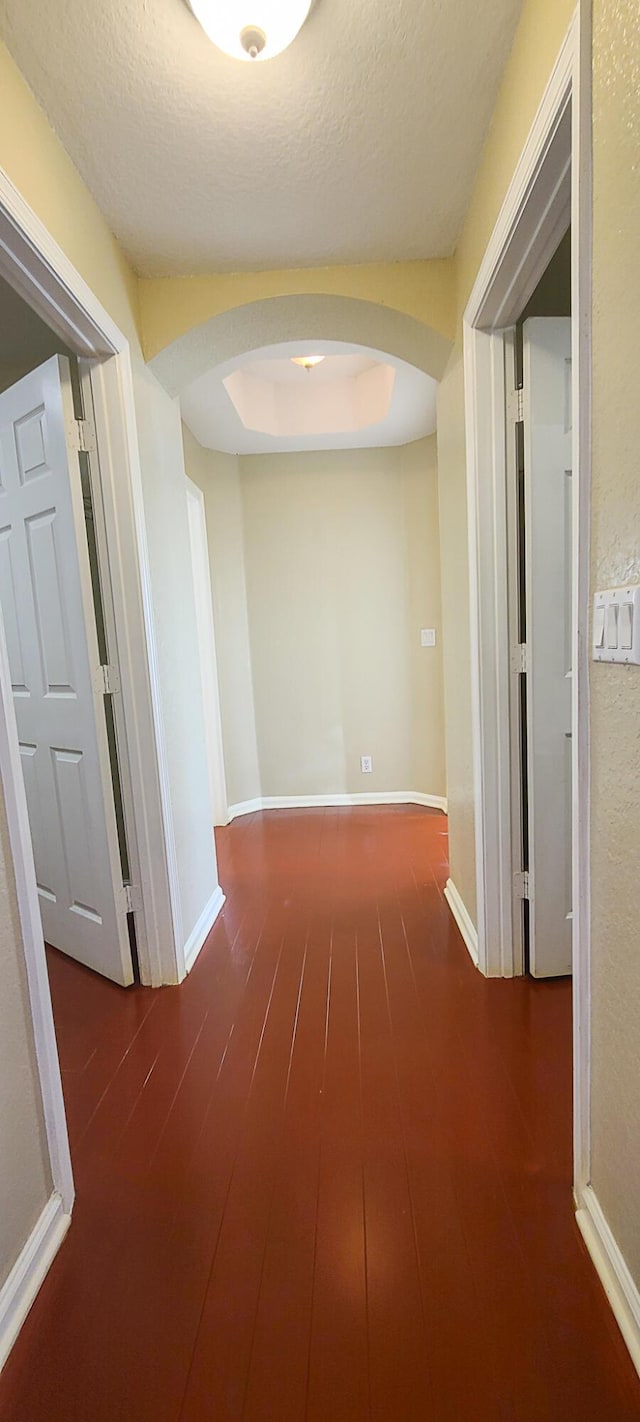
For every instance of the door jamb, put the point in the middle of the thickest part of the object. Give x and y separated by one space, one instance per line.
220 799
38 269
550 187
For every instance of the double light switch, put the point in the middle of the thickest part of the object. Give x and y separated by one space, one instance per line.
616 625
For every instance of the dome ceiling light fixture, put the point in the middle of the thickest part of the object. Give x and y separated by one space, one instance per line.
251 29
307 362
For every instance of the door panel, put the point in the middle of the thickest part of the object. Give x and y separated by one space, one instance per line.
548 538
47 606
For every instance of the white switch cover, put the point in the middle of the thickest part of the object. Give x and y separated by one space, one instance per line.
428 637
366 763
616 625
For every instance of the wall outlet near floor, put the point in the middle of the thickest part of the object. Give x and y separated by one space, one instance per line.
428 637
366 763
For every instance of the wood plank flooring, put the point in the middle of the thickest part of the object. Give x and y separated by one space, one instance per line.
328 1179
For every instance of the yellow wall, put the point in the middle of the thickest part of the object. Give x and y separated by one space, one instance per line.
541 30
615 690
45 176
539 36
170 306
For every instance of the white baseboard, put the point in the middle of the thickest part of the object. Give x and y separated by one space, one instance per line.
202 928
621 1289
463 919
244 807
33 1263
310 802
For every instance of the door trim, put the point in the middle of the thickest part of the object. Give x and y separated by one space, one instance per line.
46 1047
37 268
550 187
208 659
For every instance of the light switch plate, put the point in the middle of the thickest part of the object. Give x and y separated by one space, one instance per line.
428 637
615 635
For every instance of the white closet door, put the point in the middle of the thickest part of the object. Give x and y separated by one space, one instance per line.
548 544
47 605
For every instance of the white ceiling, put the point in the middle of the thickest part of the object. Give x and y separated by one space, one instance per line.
358 144
209 411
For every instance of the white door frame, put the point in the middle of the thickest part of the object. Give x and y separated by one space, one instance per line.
207 655
33 263
551 186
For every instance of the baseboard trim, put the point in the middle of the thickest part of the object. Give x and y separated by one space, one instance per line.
244 807
29 1271
310 802
200 933
463 919
621 1289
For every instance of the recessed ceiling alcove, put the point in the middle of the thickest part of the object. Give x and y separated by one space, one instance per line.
356 397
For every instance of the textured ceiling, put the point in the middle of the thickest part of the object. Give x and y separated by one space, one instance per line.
358 144
410 413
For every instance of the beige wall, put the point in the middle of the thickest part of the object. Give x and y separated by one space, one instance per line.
163 471
342 564
218 475
452 474
324 568
25 1179
615 690
419 472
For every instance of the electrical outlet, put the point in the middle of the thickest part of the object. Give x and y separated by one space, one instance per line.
428 637
366 763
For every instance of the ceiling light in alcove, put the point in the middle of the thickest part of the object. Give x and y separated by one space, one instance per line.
251 29
307 362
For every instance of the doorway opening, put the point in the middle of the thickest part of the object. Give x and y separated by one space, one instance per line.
61 647
539 582
550 191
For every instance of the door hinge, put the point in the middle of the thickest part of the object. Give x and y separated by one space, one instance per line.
82 436
515 405
521 884
131 895
106 680
519 659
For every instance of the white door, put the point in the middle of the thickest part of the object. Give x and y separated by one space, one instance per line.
548 582
207 652
47 606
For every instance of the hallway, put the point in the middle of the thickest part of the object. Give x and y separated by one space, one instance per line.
327 1179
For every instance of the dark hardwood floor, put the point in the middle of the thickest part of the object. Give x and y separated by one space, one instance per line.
328 1179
